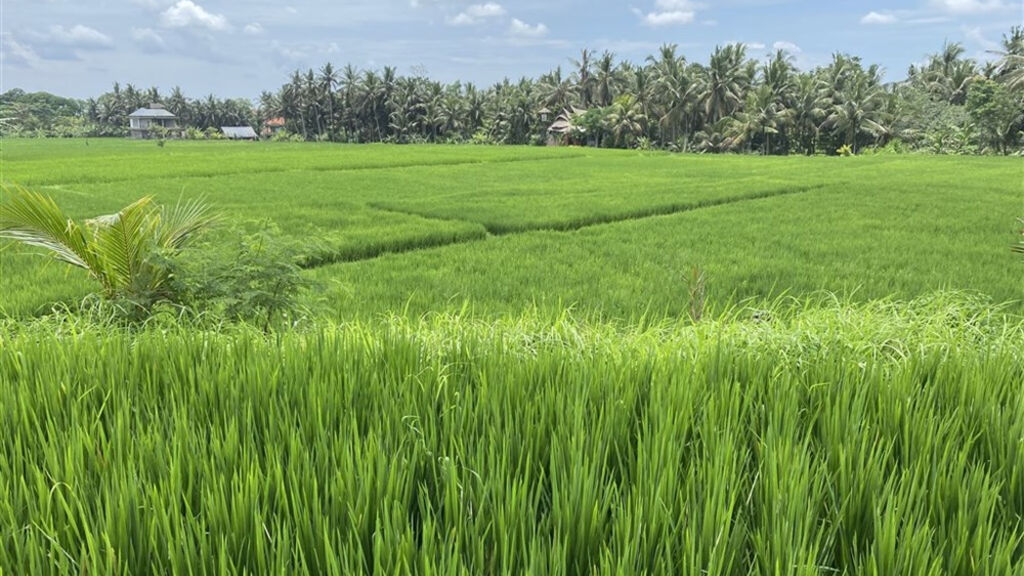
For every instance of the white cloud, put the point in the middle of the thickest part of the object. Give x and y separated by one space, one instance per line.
477 13
669 18
188 14
878 18
253 29
79 36
522 29
976 36
670 13
754 45
148 39
969 6
788 47
16 53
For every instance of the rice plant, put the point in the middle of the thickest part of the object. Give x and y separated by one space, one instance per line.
830 438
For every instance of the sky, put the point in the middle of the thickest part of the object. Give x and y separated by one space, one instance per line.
79 48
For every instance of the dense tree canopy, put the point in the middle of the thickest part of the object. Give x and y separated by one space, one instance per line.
950 104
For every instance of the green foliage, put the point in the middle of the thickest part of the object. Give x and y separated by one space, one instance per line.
40 114
499 229
844 150
285 136
821 439
993 108
241 275
125 252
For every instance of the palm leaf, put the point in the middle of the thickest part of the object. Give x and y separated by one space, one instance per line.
179 224
36 220
124 240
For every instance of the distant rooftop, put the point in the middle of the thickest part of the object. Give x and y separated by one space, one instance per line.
151 113
238 132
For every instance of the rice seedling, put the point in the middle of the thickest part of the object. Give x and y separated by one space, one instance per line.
834 438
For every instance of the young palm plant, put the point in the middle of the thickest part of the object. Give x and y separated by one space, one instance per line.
126 252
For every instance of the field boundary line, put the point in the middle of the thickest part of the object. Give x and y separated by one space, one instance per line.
570 226
307 169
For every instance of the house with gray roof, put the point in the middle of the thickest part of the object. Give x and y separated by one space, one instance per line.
239 132
142 122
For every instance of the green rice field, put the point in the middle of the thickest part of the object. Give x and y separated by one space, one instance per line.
498 372
425 229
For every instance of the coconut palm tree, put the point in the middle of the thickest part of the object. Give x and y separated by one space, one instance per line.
605 79
807 110
855 111
724 82
626 121
584 77
124 251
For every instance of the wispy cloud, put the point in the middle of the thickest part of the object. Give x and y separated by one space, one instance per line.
148 40
477 13
670 13
17 54
79 36
969 6
188 14
521 29
879 18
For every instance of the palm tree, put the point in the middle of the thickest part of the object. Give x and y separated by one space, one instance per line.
807 110
555 90
855 111
605 80
764 115
626 121
1010 70
583 77
124 251
328 80
724 82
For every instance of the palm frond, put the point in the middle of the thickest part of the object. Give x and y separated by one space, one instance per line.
35 219
124 240
179 224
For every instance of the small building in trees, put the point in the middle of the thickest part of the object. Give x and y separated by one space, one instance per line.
239 132
154 121
272 126
563 129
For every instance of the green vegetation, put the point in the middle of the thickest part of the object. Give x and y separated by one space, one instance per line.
125 251
522 360
612 233
876 439
735 102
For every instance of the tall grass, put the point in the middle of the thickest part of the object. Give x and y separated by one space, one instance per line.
881 438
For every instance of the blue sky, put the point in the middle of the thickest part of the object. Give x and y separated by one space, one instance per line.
235 49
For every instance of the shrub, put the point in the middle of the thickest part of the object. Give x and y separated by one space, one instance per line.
845 150
242 275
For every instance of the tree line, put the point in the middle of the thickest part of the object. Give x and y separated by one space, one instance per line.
733 103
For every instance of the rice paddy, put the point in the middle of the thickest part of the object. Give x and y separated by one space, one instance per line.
499 373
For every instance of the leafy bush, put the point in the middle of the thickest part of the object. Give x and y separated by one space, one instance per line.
286 136
242 275
845 150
